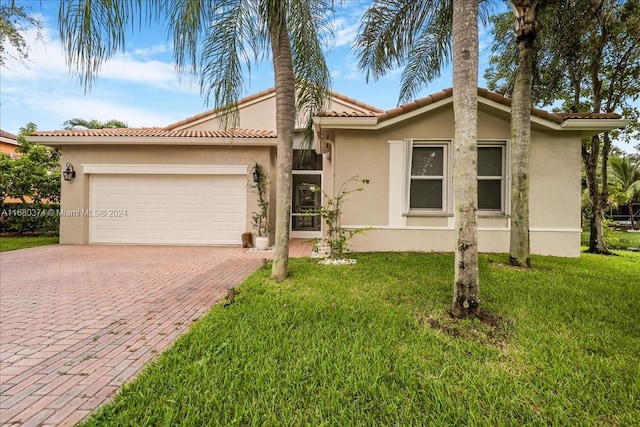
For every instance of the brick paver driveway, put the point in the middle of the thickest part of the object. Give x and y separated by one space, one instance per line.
76 322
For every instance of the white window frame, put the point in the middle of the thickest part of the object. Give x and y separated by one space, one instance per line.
446 177
504 179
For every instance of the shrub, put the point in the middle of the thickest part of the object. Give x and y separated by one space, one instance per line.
338 236
37 218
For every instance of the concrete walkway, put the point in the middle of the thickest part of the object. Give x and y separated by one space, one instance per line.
76 322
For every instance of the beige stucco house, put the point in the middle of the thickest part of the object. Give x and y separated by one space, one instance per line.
187 183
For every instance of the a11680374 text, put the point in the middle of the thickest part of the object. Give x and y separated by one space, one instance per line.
94 213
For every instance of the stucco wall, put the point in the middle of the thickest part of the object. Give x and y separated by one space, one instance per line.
554 188
261 114
8 148
75 194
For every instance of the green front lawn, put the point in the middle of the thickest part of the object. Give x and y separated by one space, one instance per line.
371 344
615 239
13 243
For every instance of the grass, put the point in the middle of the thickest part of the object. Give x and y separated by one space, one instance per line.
372 344
13 243
616 239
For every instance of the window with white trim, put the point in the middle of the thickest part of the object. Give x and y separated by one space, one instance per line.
428 171
491 177
430 180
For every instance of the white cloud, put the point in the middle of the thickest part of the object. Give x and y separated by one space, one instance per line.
151 72
344 31
152 51
140 88
103 110
45 59
46 63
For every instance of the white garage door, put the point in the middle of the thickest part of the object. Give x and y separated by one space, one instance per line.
167 209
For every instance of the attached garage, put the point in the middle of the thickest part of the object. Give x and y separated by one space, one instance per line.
156 204
160 186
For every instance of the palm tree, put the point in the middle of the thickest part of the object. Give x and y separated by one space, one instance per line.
525 31
627 174
94 124
217 40
419 35
466 288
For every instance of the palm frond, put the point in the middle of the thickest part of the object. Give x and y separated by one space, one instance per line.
624 171
91 32
188 20
430 54
388 32
309 28
229 47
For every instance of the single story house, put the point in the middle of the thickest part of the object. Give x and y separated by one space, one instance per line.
187 183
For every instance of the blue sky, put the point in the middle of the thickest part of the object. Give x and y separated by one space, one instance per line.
141 87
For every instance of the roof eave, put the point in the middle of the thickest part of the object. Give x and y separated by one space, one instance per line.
61 141
590 127
346 122
9 141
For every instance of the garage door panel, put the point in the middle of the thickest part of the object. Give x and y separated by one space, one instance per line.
176 209
225 220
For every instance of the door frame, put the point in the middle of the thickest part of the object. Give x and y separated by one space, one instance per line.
296 234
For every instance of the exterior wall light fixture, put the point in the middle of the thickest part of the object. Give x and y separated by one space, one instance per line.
69 174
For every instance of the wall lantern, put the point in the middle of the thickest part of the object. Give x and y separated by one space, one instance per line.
69 174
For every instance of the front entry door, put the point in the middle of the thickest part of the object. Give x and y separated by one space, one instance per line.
306 197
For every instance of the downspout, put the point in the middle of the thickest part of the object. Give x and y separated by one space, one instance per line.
326 146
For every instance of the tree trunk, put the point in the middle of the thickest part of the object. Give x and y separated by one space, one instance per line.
466 289
285 126
525 29
597 191
597 243
630 206
519 249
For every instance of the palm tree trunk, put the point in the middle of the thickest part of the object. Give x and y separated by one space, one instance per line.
466 289
519 250
285 126
630 206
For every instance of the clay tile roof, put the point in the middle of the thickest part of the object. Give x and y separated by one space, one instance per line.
347 114
447 93
7 135
355 101
159 132
589 115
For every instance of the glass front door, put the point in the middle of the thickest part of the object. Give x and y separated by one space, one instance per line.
306 197
306 201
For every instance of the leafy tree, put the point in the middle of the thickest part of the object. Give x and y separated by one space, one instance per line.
218 40
627 174
423 36
93 124
33 177
14 21
590 60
